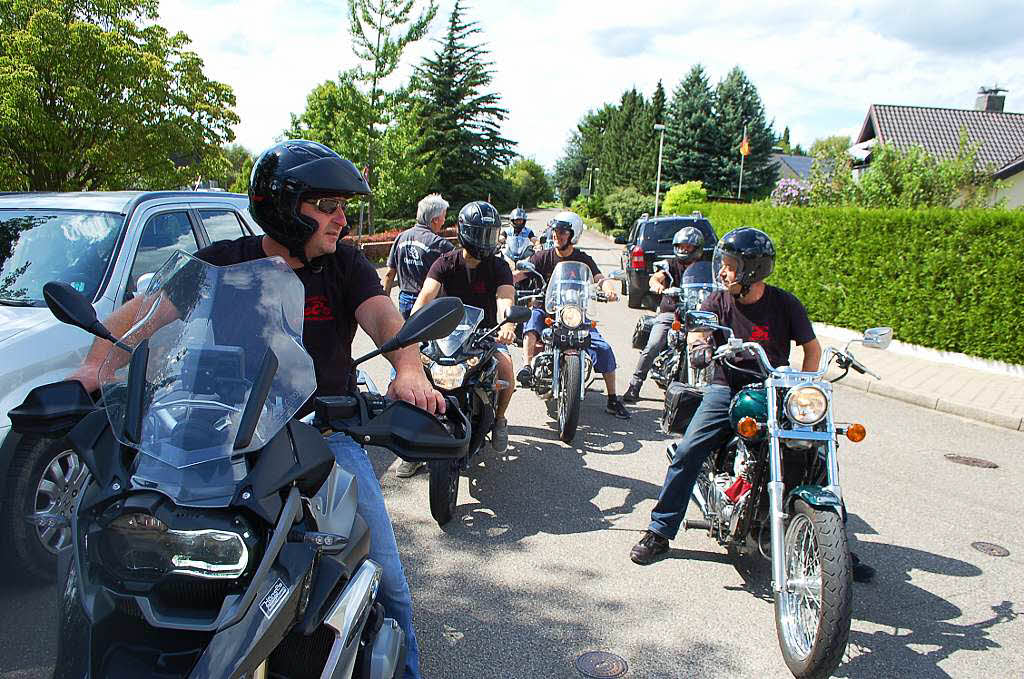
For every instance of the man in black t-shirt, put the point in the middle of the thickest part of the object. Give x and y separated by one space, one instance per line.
566 229
687 246
297 194
474 274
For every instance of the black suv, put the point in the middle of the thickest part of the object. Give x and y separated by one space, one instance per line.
649 240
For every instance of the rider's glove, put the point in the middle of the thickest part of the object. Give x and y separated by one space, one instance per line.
700 355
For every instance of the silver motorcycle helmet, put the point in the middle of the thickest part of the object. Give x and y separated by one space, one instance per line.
688 236
563 220
747 250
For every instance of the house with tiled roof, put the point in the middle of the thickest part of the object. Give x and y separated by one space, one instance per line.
792 167
998 135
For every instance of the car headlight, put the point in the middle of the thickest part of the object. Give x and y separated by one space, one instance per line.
142 547
571 316
447 376
806 404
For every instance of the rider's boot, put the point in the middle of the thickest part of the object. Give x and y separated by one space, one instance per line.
632 394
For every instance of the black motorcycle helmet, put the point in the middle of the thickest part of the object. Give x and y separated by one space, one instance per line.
479 226
290 172
753 251
688 235
518 219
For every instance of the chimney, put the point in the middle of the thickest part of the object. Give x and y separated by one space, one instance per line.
990 99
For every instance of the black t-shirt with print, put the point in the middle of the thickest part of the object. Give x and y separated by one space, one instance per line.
345 280
545 261
476 287
772 321
675 271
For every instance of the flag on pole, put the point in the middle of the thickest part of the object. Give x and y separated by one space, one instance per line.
745 144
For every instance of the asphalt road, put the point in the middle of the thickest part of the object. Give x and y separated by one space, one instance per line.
534 569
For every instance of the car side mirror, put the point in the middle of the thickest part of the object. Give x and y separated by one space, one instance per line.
877 338
71 307
701 320
620 240
518 314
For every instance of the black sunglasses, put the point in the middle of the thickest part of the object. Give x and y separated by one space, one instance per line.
328 205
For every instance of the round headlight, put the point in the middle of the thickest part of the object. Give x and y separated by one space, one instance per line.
806 405
447 376
571 316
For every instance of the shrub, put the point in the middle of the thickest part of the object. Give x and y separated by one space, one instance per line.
791 193
942 278
681 198
624 206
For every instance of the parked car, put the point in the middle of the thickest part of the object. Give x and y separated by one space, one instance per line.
649 240
106 246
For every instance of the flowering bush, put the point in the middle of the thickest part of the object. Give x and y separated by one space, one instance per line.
791 193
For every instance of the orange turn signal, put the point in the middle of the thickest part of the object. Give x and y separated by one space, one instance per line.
593 324
747 427
676 325
856 432
549 321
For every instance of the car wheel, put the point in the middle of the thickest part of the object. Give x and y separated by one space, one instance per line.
635 298
46 477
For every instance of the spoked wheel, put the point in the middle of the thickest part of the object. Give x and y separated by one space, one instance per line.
444 489
812 618
569 397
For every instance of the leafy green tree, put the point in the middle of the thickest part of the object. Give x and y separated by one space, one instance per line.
683 198
571 170
624 206
738 106
461 119
691 131
623 144
829 147
381 30
529 183
236 168
98 95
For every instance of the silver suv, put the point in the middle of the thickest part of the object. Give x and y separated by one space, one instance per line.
105 245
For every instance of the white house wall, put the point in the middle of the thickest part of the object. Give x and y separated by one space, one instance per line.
1013 191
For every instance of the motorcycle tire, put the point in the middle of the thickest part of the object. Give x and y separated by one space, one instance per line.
569 398
444 489
816 552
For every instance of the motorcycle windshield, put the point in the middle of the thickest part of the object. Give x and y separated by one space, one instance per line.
518 247
450 345
570 283
217 337
697 284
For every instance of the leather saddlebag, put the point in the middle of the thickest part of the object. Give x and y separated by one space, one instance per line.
681 401
642 332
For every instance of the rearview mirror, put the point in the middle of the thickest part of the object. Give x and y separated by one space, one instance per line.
616 275
701 320
525 265
434 320
877 338
518 314
71 307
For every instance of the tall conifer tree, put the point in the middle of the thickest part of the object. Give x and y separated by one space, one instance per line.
691 132
738 104
462 120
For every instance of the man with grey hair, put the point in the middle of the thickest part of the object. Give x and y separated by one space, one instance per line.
415 250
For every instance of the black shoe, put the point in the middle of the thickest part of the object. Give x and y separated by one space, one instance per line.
632 394
861 571
616 408
646 551
525 376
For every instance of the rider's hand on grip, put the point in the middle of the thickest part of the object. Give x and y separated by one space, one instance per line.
700 355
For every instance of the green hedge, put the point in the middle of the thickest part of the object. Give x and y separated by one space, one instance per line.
946 279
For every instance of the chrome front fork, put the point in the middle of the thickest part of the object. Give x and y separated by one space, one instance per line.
776 489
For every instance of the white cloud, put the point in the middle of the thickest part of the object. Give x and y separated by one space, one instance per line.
817 65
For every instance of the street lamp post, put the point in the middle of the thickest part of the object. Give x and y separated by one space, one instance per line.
657 184
590 188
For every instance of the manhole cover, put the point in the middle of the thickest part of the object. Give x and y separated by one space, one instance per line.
971 461
990 549
601 665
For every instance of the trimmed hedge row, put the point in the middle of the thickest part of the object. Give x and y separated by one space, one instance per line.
946 279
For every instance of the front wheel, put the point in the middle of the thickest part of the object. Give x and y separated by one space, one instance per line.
444 489
569 397
812 618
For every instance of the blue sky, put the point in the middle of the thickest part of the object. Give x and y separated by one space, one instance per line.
817 65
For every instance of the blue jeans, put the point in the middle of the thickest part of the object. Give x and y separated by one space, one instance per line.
708 431
600 351
405 302
394 592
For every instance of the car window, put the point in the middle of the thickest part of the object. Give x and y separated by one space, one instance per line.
221 224
163 234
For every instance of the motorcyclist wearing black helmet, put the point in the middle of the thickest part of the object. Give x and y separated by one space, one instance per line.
478 277
297 194
687 248
755 311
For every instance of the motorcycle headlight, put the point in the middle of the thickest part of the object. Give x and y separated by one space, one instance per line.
571 316
142 547
806 404
447 376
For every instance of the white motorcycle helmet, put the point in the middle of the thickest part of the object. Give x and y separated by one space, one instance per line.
563 219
